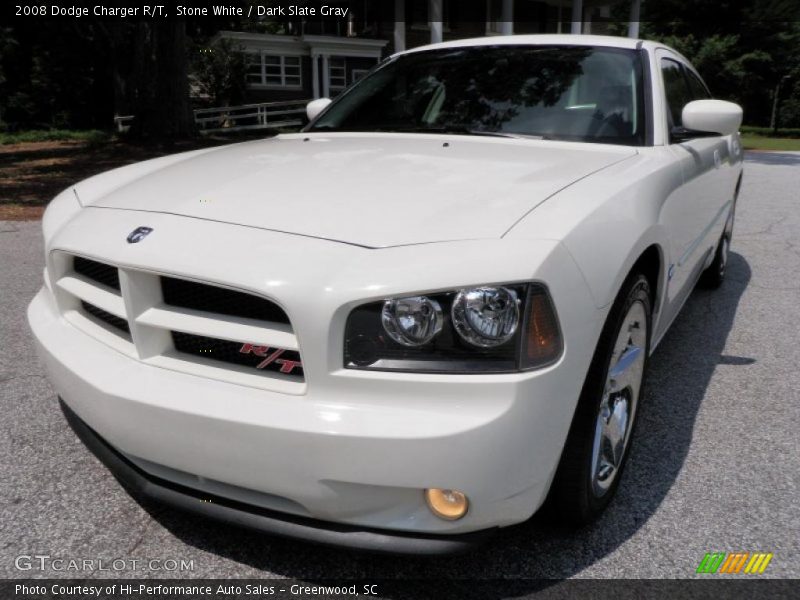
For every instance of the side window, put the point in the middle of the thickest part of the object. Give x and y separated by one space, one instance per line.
676 89
697 87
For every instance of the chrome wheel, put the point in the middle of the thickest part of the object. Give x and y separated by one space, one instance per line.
620 398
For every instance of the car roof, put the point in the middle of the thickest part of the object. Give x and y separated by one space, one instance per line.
537 40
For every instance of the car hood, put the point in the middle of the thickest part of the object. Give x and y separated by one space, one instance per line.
373 190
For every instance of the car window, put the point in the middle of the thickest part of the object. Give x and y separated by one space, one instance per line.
676 89
577 93
697 88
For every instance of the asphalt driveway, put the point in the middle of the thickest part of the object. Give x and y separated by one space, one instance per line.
715 466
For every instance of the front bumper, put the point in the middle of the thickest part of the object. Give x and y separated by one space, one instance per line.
142 485
354 448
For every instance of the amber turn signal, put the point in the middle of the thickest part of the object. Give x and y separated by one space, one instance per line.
542 338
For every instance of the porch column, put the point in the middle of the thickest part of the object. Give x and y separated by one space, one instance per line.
633 25
399 25
577 15
435 17
315 75
507 18
326 76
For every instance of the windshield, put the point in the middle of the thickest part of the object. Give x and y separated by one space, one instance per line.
576 93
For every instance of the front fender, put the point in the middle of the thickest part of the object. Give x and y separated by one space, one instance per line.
606 221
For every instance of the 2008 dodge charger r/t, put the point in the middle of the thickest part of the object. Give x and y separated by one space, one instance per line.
416 320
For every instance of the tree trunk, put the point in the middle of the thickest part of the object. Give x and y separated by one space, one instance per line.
773 121
162 109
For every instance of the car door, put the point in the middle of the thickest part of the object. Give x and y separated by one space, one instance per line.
693 213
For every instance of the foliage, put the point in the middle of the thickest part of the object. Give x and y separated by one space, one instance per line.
218 72
742 48
78 73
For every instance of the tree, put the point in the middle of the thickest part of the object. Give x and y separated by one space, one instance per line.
161 103
218 72
742 48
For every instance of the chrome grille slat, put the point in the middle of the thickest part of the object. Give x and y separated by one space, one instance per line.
99 296
219 326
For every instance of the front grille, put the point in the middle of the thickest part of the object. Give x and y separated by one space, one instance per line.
103 274
180 325
286 362
105 317
208 298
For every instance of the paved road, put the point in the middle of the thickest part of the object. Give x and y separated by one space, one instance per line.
715 465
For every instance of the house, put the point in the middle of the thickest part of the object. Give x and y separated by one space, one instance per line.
295 67
321 56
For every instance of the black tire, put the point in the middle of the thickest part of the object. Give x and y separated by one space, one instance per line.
714 275
572 497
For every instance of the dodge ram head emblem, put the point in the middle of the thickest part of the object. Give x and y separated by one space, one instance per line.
138 234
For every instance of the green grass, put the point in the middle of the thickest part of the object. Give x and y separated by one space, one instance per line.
758 142
767 132
92 136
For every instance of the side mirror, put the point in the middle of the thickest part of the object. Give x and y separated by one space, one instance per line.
715 117
315 107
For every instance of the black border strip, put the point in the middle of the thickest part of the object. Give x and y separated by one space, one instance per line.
647 84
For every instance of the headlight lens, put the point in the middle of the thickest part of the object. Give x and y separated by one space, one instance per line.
487 316
412 321
484 329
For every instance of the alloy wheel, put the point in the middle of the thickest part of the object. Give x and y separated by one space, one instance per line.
620 399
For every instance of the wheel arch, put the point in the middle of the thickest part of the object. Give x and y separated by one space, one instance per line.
651 264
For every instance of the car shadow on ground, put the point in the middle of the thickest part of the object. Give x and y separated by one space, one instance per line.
680 372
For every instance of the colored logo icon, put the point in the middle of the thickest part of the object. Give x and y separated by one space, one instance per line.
753 563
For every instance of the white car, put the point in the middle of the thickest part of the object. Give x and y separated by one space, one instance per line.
413 322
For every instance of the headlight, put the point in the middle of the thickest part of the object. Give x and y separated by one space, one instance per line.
486 316
412 321
484 329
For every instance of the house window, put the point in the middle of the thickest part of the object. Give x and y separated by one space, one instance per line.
274 71
254 69
337 71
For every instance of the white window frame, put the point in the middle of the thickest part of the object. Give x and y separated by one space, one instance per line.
286 80
341 66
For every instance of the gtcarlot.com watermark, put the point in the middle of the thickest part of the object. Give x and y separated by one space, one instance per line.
46 562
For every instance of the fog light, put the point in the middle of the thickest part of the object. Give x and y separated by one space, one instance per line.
447 504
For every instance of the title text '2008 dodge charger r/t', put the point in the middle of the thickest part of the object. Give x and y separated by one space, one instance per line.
413 322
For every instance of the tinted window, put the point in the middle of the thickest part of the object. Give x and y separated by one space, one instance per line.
696 87
677 91
576 93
